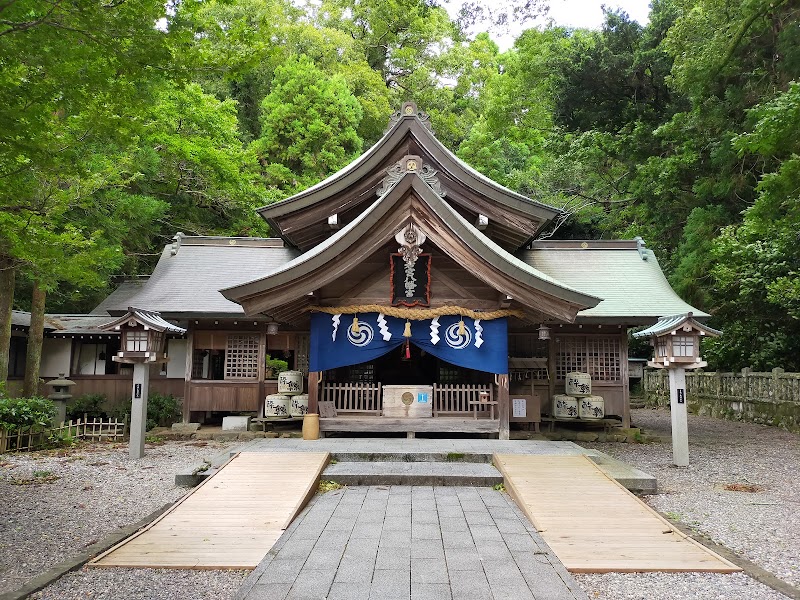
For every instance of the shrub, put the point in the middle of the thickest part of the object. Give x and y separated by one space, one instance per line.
162 411
90 405
17 413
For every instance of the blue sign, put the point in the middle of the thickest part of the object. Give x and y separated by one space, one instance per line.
422 397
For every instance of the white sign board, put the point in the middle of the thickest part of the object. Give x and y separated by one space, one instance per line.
519 407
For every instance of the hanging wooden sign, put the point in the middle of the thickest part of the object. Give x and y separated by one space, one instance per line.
410 281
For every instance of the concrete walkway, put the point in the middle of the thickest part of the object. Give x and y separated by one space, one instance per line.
400 542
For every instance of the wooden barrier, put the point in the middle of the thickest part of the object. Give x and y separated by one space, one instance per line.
461 399
27 439
354 397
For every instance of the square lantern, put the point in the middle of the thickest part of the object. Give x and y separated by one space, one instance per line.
676 341
143 333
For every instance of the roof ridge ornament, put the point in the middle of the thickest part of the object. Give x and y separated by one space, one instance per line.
411 163
409 109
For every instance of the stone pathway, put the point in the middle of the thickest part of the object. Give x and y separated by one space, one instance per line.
417 543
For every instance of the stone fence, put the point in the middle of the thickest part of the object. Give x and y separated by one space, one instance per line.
768 398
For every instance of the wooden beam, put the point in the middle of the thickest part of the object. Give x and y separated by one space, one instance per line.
451 283
313 391
503 406
626 382
368 281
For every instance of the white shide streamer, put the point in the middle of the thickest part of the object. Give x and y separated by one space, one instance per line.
335 320
478 332
435 330
384 329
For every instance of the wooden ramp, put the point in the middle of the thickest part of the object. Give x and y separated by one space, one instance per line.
593 524
231 520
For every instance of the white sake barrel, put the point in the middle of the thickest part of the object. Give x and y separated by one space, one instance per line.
591 407
578 384
299 406
277 405
565 407
290 383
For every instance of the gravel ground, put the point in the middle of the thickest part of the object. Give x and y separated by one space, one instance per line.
762 526
100 490
80 496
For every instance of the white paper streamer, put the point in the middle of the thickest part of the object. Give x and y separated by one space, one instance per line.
478 332
435 330
335 320
384 329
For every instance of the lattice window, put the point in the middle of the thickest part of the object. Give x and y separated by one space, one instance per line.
241 357
596 355
362 373
570 356
683 345
603 358
135 341
527 346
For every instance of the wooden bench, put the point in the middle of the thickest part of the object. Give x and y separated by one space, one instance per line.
606 424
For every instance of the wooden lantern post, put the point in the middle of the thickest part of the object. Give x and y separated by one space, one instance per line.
676 340
143 333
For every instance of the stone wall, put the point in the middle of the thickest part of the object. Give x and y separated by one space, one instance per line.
768 398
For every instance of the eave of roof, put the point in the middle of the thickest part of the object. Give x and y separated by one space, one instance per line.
406 125
670 323
503 261
626 275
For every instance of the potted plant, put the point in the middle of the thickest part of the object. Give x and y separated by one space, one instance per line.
275 366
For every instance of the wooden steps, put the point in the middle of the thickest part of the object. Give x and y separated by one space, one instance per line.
593 524
231 520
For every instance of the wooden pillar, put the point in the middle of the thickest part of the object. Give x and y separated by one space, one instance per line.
313 391
187 385
626 381
547 405
503 405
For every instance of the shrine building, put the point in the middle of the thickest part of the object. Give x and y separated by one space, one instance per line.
410 290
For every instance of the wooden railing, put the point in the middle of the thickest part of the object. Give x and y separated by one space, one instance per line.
354 397
460 399
32 438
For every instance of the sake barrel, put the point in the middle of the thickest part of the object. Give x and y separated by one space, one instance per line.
565 407
591 407
299 407
290 383
277 406
578 384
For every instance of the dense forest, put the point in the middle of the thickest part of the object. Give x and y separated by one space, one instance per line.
125 121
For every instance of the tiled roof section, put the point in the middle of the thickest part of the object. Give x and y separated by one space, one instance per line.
20 318
148 318
78 324
120 296
187 279
673 322
625 275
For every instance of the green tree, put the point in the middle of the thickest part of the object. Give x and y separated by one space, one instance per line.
309 126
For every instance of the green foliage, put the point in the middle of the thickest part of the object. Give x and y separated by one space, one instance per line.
90 405
162 410
308 126
20 413
276 365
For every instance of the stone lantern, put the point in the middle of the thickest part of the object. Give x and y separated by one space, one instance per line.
142 343
676 342
60 395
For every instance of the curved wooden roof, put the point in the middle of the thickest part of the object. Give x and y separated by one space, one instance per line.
302 219
410 197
